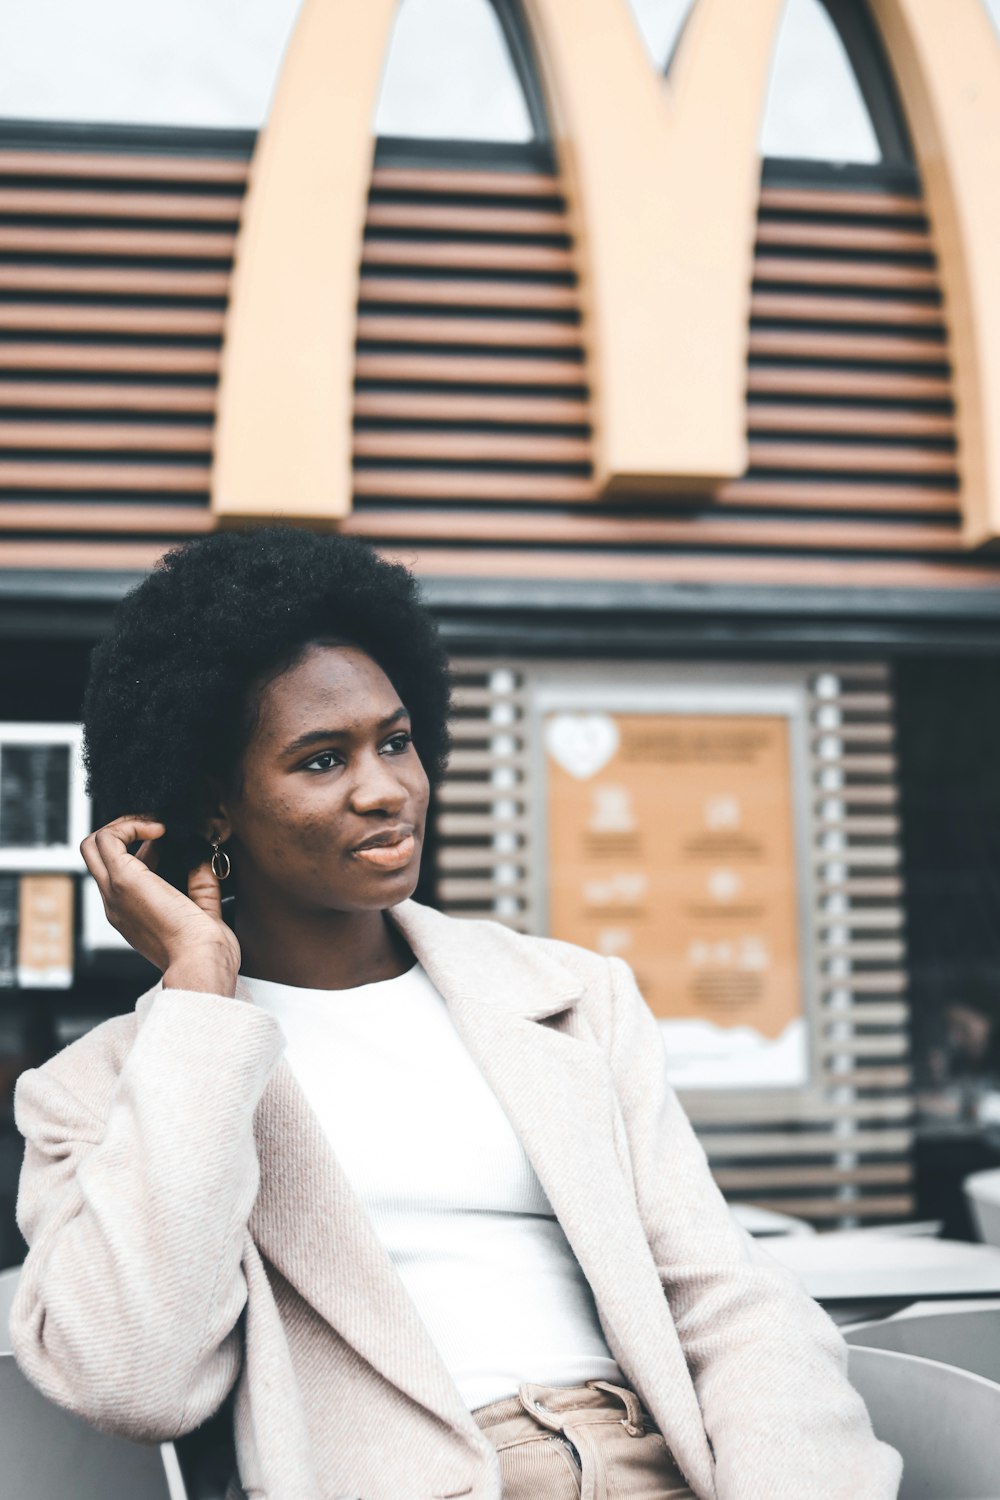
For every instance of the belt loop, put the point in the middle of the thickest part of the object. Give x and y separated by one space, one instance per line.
528 1395
632 1421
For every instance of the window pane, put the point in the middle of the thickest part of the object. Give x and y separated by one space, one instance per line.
142 62
660 23
449 75
814 106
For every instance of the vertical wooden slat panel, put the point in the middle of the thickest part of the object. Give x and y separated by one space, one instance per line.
851 1135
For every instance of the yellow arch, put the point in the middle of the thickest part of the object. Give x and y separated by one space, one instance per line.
664 179
283 417
946 57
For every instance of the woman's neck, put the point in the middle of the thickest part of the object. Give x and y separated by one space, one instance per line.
329 950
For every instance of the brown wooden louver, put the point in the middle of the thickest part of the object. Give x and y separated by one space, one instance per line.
473 410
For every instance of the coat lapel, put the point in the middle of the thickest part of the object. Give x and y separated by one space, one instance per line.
311 1225
556 1089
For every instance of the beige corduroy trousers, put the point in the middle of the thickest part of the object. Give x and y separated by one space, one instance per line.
581 1442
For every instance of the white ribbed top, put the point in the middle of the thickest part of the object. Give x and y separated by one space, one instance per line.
446 1182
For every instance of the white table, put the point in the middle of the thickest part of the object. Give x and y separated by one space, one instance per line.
854 1266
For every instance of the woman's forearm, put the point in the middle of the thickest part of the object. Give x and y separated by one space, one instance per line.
135 1208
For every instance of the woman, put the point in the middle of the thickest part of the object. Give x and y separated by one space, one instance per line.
460 1240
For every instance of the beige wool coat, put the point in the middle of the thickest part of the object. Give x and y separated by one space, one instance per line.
191 1228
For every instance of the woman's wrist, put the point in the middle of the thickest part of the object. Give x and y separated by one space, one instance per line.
211 972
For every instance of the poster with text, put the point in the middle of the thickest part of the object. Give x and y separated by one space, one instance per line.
671 844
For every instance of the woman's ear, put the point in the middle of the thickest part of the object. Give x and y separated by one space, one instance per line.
216 824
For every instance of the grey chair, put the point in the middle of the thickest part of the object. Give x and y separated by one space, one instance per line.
969 1340
8 1286
982 1193
48 1454
945 1422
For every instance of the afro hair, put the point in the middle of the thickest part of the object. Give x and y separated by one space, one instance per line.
172 695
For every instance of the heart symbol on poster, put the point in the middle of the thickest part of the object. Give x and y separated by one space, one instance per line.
581 743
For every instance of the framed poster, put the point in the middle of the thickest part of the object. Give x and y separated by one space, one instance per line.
44 808
675 837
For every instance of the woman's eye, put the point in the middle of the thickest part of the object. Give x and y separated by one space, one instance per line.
325 761
399 742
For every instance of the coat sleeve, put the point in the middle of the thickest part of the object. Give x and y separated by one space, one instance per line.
768 1365
134 1200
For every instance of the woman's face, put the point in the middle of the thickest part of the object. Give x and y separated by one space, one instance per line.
331 811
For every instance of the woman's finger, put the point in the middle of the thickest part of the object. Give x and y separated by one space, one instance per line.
203 889
133 829
148 853
114 839
95 864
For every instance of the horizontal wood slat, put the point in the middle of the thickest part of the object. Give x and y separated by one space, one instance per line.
814 494
455 182
475 446
120 519
758 1144
774 417
851 733
465 218
420 406
864 458
781 494
819 271
101 555
125 438
875 982
54 317
799 307
430 292
748 1179
444 484
445 257
873 1206
124 166
103 359
610 531
837 202
158 244
871 239
106 395
120 282
795 344
78 474
91 203
464 370
512 333
917 387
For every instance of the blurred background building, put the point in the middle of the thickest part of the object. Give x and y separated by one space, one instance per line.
662 339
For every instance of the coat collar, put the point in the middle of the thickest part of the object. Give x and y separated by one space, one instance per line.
485 963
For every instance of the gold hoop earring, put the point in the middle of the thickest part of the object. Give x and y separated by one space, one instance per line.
221 863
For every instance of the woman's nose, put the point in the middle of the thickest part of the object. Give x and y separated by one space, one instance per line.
377 787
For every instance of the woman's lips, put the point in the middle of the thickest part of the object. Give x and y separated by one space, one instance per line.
388 856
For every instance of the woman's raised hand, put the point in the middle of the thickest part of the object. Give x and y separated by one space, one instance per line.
184 936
